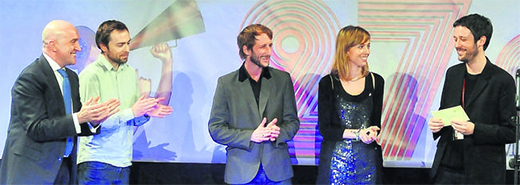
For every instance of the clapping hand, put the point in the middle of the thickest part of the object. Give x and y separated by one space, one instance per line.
266 132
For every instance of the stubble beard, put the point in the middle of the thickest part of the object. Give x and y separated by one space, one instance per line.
255 59
257 62
117 60
469 55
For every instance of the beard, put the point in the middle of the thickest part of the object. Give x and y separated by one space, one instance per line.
256 60
469 55
117 60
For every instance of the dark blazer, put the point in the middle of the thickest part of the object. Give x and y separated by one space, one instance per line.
235 115
491 108
38 128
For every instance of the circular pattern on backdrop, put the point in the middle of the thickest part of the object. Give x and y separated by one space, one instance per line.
303 33
509 57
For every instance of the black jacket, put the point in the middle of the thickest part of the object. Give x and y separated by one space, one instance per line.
39 127
491 108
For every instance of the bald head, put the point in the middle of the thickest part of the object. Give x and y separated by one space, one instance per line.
55 30
60 42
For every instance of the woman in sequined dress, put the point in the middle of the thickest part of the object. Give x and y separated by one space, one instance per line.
350 102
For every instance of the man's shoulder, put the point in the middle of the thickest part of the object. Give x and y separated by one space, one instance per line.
88 71
456 69
92 66
94 69
458 66
277 71
34 69
230 75
500 74
498 69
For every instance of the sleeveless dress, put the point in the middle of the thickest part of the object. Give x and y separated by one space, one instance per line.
354 162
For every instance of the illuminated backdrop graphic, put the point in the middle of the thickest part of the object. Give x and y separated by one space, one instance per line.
303 45
411 48
423 31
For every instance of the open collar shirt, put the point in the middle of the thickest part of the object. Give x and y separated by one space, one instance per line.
114 143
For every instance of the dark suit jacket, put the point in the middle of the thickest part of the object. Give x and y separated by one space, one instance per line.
235 115
491 108
38 128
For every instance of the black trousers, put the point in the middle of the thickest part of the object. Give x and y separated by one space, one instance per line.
64 174
449 176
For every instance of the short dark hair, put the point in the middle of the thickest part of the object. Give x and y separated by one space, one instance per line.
104 30
248 37
478 25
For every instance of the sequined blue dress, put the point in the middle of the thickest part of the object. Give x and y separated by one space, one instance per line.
353 162
349 161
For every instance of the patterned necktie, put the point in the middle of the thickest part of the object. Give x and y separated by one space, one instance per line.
68 109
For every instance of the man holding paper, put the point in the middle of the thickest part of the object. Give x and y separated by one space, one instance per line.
468 150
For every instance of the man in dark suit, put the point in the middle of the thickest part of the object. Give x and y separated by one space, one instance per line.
473 151
254 114
35 149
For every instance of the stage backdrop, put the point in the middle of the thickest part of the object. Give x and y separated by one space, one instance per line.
412 47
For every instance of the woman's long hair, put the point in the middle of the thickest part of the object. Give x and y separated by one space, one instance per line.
348 37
